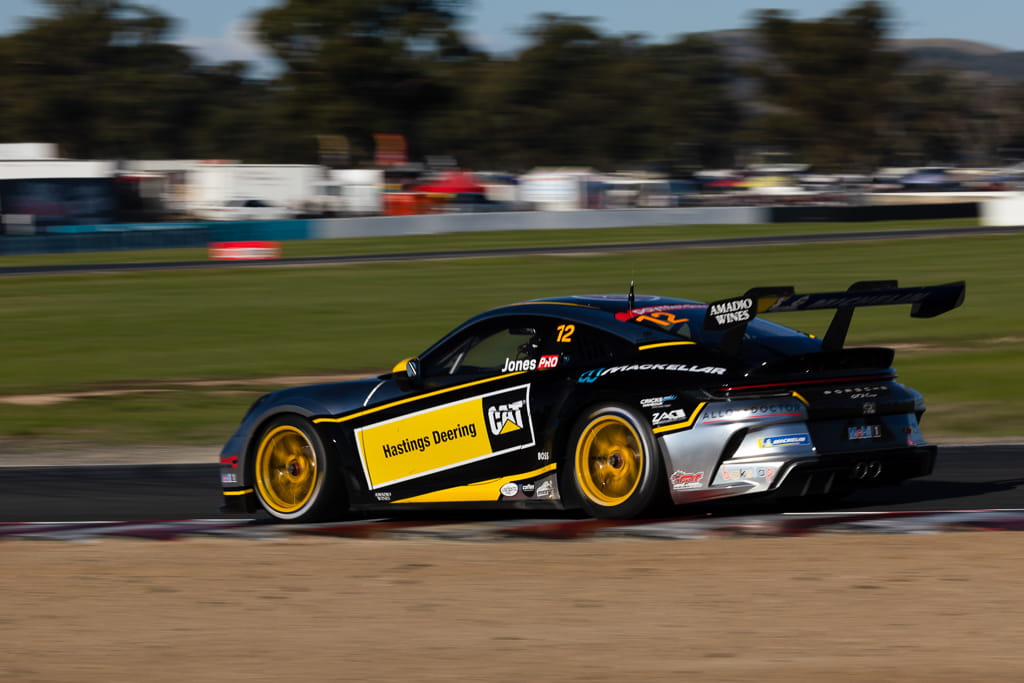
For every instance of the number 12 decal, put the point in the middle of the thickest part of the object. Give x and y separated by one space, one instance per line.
663 318
565 333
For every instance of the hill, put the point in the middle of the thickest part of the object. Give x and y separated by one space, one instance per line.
947 53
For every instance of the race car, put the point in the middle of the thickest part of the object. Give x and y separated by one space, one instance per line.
619 405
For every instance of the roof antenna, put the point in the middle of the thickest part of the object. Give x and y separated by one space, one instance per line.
632 298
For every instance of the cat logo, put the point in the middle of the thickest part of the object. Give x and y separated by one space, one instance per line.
506 414
505 418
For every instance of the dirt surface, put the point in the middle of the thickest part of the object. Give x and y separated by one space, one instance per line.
828 607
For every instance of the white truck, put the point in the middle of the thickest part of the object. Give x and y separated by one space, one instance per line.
298 190
290 187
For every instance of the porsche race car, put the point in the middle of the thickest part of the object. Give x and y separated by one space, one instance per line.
619 405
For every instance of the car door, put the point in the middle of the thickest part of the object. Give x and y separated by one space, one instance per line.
469 422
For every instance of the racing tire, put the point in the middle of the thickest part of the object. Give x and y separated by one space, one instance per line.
294 479
614 466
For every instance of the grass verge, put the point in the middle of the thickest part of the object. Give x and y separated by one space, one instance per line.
162 331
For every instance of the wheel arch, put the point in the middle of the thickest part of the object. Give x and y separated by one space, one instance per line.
258 426
566 449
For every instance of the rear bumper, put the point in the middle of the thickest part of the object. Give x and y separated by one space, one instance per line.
836 472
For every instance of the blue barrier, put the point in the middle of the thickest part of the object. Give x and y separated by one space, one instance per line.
123 237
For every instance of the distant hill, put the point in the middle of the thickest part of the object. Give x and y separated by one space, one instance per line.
963 55
959 55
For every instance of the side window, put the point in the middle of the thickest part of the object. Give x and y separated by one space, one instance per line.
500 351
490 348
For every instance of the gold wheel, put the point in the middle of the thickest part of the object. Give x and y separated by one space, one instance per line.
286 469
609 460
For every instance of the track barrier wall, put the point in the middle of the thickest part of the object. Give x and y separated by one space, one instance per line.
119 237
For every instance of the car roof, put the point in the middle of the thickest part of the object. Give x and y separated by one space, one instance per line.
597 310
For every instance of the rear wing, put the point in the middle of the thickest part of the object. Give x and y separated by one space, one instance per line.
731 316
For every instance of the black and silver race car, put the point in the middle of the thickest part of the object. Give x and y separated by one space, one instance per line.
617 404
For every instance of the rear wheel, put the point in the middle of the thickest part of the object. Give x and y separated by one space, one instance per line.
294 479
616 469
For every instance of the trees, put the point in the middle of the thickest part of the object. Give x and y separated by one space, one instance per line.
826 85
98 78
359 67
575 96
102 79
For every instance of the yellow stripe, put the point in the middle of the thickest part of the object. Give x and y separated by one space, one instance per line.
661 344
472 493
682 425
399 402
800 398
243 492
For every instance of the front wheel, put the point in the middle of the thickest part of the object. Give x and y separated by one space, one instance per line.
616 469
295 481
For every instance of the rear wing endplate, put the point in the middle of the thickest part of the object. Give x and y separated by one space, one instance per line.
731 316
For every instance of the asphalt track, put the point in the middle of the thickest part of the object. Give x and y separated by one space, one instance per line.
853 236
980 477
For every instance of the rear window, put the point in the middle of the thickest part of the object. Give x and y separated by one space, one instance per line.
763 339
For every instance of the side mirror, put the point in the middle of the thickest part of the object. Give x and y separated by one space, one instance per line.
407 369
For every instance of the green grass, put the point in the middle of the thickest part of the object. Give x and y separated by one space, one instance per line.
162 330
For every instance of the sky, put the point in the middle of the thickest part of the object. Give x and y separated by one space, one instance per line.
216 30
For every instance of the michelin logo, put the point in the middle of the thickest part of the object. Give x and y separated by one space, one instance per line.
787 440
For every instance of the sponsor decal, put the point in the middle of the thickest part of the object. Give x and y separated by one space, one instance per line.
519 365
446 436
869 408
648 310
405 446
686 480
382 496
809 302
668 416
529 489
864 432
506 417
786 440
543 456
656 401
731 311
526 364
509 489
548 362
768 410
228 478
591 376
546 489
759 472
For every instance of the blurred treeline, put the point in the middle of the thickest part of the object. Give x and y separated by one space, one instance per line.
103 80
